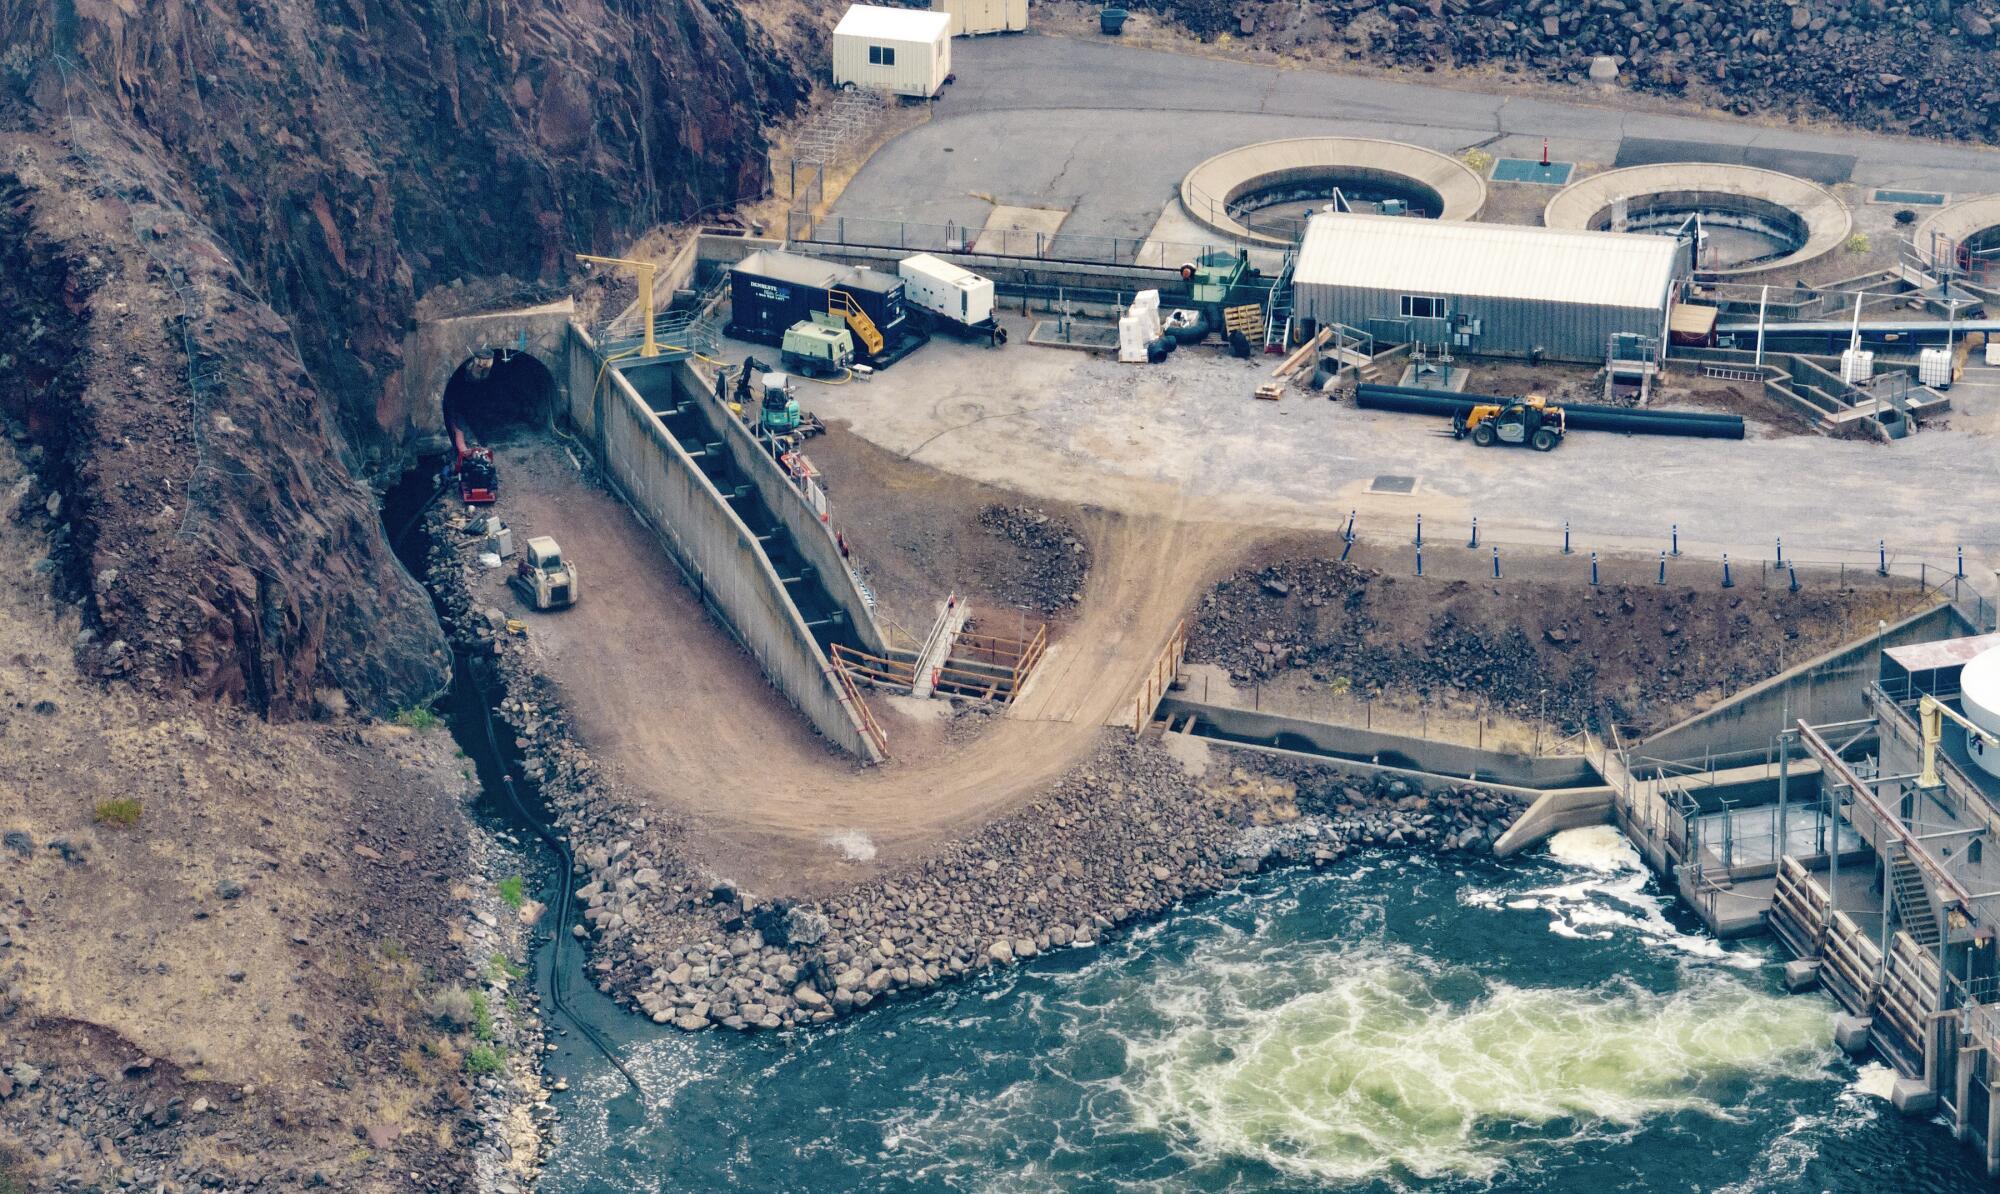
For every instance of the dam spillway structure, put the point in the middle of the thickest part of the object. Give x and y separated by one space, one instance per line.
1860 835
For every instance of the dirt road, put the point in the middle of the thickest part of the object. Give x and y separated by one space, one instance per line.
683 718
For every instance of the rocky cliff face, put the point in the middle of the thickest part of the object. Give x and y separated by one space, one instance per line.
1922 66
219 217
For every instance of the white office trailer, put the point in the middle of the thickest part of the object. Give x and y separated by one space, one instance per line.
903 51
973 17
953 298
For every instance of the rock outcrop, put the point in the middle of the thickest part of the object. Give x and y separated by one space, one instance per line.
218 223
1927 68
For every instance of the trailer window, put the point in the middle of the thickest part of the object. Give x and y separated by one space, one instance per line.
1423 306
881 55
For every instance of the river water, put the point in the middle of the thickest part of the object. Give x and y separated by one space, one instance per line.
1404 1023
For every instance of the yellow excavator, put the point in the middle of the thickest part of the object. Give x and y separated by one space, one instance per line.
1531 421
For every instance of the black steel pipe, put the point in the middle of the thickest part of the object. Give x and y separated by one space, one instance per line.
1416 400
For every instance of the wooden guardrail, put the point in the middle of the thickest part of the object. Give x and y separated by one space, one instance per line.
863 715
1159 677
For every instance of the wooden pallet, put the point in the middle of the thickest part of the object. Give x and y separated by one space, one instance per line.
1270 391
1248 319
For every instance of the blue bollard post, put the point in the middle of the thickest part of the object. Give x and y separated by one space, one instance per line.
1496 563
1677 539
1420 530
1794 573
1475 532
1960 574
1663 568
1350 524
1593 569
1565 536
1881 557
1726 582
1346 546
1420 559
1781 551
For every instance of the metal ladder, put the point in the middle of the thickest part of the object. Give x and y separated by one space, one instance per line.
1913 902
1278 317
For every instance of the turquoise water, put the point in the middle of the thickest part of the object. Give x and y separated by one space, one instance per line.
1407 1023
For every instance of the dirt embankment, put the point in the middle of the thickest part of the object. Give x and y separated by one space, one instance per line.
219 938
918 534
1576 657
1122 834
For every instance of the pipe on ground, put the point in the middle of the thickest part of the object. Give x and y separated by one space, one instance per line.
1417 400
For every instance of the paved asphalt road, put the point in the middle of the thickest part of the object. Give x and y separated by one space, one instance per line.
1109 130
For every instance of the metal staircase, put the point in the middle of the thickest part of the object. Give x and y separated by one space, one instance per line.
1913 901
1278 315
841 303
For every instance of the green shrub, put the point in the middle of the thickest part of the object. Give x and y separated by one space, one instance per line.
511 893
482 1017
1858 243
418 718
481 1060
501 967
122 812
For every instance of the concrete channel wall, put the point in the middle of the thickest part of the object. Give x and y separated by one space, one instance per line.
1831 687
657 478
813 538
1442 759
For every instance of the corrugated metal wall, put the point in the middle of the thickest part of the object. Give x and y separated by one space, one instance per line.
1508 327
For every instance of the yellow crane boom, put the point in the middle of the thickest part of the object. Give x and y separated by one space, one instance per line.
645 270
1932 712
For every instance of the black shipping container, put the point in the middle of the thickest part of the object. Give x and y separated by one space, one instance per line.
770 291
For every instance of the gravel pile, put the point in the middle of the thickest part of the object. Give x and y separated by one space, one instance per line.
1925 67
1058 559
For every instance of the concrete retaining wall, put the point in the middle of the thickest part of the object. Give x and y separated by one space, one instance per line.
1831 687
813 538
720 252
1553 812
1407 754
658 479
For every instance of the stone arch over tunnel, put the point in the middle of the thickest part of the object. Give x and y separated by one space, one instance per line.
498 393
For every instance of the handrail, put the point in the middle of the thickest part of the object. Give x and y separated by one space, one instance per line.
1837 766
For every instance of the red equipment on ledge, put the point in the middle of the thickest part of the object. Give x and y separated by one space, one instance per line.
478 479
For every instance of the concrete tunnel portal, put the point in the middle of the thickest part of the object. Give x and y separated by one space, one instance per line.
495 395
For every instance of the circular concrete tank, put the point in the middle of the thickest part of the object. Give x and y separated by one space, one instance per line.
1979 700
1261 193
1754 220
1970 232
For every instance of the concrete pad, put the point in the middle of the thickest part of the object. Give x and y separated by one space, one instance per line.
1912 1097
1177 237
1851 1032
1800 974
1020 231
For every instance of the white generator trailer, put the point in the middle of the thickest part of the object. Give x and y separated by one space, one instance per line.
952 299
